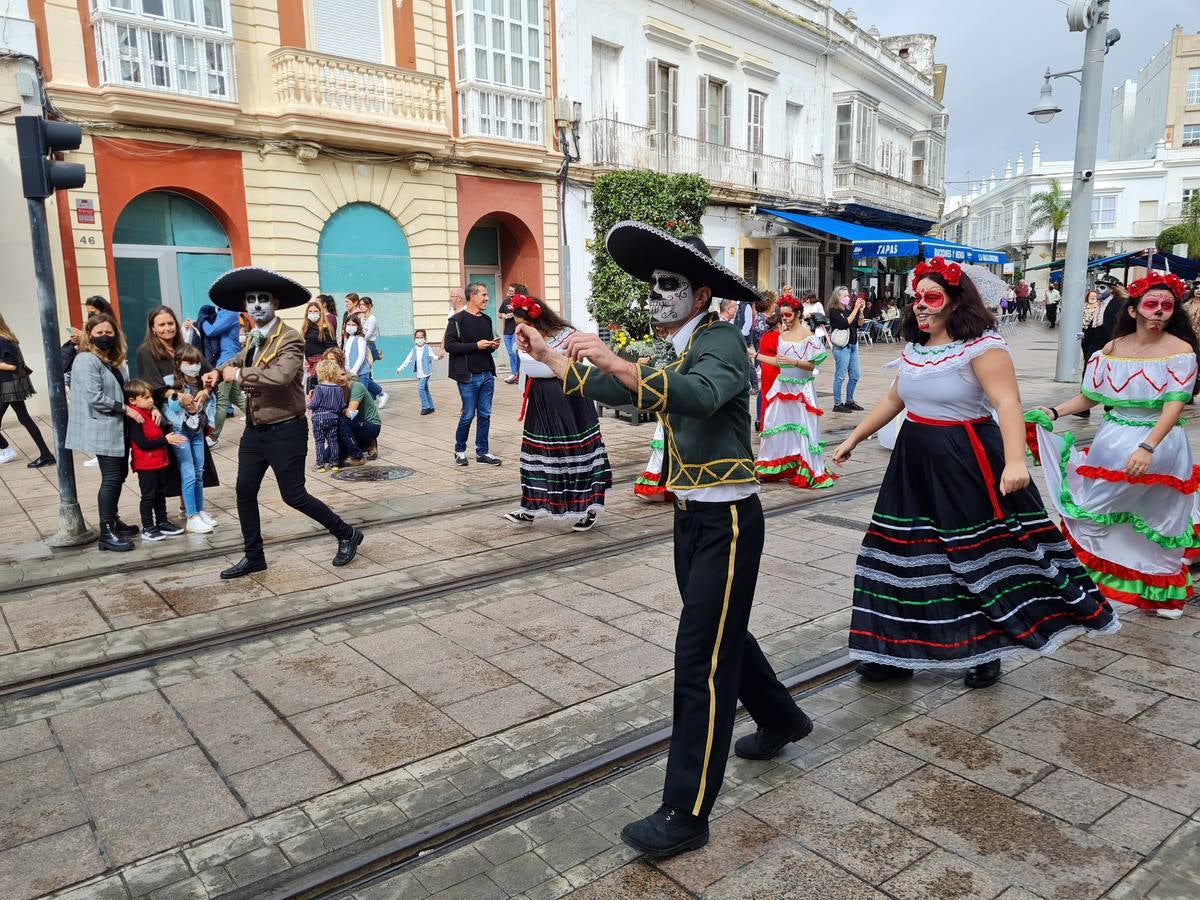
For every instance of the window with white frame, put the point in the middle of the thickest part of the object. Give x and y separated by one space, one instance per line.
887 156
499 51
714 111
364 41
1104 213
794 123
1189 194
1019 219
662 89
606 81
1193 87
1006 224
844 136
1191 135
172 46
856 119
756 105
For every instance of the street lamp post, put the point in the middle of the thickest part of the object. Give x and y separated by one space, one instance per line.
1090 16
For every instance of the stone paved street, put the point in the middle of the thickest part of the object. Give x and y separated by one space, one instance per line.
491 656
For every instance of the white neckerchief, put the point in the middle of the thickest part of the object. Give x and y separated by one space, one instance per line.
679 340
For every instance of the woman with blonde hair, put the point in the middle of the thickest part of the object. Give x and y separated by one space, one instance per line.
15 389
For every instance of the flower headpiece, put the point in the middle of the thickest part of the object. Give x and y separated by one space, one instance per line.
951 272
528 306
790 300
1168 280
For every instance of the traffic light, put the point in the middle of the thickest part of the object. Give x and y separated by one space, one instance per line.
37 139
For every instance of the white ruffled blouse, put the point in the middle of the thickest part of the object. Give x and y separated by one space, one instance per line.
939 383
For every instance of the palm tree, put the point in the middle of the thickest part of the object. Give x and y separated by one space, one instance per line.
1050 208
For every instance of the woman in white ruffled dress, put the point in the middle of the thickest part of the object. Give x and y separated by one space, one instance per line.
790 445
1127 501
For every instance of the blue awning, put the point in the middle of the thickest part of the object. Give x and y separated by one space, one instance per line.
869 241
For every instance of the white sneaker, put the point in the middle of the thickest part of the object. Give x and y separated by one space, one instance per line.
1169 613
92 463
212 442
196 525
8 454
206 519
381 400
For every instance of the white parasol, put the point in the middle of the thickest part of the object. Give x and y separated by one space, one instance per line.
992 288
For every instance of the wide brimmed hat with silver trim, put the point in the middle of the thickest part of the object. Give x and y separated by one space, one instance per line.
639 249
229 291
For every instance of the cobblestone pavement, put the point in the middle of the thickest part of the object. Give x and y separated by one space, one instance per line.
222 772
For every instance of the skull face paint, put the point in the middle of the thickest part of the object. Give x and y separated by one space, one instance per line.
1155 308
929 304
260 306
671 298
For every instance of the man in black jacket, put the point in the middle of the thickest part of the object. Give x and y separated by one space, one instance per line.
470 342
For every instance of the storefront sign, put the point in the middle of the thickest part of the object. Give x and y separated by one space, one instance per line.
85 212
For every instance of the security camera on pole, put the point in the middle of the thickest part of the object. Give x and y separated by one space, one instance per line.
1090 16
41 175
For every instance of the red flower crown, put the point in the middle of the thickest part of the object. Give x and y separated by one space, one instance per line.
527 305
950 272
790 300
1168 280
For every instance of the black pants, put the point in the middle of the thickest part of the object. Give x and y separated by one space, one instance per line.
154 497
23 416
717 661
1022 309
1052 314
113 470
281 448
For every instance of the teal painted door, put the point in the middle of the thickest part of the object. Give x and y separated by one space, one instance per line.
362 249
140 289
197 272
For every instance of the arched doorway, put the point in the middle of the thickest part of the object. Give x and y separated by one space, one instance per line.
167 249
363 250
498 250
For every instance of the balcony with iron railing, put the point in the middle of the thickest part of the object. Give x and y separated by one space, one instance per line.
622 145
857 183
332 88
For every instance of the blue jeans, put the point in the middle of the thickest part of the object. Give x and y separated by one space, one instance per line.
190 457
355 436
476 397
846 361
514 361
423 393
369 383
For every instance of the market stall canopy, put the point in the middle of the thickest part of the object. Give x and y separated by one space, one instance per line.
869 241
1163 262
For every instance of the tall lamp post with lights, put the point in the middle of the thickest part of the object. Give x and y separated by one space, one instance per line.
1090 16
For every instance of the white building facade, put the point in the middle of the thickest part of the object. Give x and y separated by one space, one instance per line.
792 106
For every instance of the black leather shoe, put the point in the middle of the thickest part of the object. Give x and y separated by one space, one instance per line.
244 567
765 743
879 672
110 540
126 530
666 833
348 548
45 459
983 675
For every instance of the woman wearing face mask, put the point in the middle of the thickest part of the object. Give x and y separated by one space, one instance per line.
1127 502
96 422
961 567
317 337
190 408
844 322
790 437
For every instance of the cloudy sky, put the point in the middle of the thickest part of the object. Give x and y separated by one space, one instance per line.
997 50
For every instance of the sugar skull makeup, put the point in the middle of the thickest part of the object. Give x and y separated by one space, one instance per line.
671 298
1156 302
933 300
929 304
260 306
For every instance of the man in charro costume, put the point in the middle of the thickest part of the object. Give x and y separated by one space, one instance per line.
703 404
270 370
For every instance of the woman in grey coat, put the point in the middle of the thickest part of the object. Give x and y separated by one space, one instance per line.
97 420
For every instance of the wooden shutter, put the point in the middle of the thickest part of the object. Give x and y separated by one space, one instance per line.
652 92
702 112
673 91
727 98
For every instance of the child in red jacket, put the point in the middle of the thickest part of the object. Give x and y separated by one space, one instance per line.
149 457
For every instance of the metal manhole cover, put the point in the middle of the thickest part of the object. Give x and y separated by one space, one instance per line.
373 473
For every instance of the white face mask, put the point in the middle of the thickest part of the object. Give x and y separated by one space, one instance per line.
351 329
314 317
420 342
671 298
191 371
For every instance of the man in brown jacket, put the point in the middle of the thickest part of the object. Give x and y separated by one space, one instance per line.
270 370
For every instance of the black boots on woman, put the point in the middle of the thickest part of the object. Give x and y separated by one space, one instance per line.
112 539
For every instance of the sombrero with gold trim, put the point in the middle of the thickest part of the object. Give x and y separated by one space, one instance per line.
229 291
639 249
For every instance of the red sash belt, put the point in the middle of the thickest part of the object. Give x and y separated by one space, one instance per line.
985 467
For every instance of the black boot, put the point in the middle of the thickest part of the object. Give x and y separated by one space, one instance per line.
983 675
767 742
111 540
666 833
126 530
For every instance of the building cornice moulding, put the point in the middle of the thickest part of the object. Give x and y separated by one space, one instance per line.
722 54
759 68
663 33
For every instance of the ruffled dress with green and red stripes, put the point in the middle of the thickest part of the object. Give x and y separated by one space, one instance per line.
790 447
1133 533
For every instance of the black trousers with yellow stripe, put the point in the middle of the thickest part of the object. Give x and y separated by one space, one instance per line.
717 661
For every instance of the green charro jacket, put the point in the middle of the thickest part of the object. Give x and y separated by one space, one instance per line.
701 400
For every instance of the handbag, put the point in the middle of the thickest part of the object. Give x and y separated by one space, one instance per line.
378 354
840 337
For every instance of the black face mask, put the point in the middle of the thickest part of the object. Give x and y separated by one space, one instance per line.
104 342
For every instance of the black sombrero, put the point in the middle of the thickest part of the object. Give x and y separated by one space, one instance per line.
229 291
639 249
